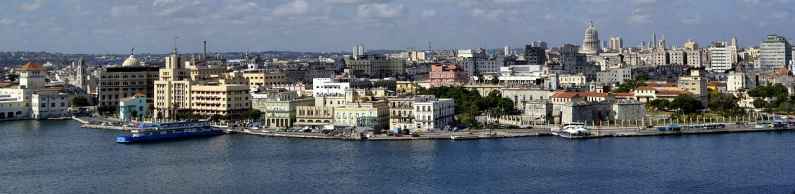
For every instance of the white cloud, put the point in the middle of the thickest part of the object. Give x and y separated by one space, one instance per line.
355 1
7 21
179 8
296 7
32 6
380 10
428 13
692 20
124 10
641 15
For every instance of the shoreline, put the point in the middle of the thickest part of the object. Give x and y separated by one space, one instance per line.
603 132
507 133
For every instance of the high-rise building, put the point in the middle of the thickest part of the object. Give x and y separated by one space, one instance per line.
358 51
775 53
695 57
185 86
590 42
719 57
653 41
376 66
661 44
616 43
535 55
120 82
677 56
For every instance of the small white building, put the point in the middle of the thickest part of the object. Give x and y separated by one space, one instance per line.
433 114
328 87
50 104
13 108
133 107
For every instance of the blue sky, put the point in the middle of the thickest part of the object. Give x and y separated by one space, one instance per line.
115 26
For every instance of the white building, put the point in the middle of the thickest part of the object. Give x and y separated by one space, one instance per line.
518 75
775 53
133 107
738 81
32 76
329 87
720 57
433 114
13 107
49 104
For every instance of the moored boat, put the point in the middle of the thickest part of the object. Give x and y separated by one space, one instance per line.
572 131
168 131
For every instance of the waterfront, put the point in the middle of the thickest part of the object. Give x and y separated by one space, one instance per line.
60 157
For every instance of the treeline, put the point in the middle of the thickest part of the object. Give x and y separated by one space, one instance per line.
470 104
773 98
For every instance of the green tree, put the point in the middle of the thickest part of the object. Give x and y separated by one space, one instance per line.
760 103
786 107
769 91
469 103
253 114
660 104
629 85
79 101
686 104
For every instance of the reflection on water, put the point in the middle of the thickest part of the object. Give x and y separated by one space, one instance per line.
60 157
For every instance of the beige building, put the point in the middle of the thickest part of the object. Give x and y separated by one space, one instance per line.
364 112
695 83
677 57
278 107
120 82
314 116
261 78
202 90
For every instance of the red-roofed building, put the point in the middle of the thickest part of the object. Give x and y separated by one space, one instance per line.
32 76
648 93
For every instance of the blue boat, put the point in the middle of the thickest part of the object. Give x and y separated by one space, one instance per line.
168 131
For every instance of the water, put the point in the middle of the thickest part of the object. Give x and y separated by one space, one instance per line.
60 157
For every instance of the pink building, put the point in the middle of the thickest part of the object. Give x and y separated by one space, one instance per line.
447 75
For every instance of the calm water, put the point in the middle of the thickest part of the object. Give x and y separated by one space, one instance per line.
60 157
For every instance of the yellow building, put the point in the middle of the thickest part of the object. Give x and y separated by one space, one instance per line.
185 87
260 78
406 87
367 113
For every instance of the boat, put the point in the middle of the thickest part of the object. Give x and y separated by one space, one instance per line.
573 130
168 131
463 137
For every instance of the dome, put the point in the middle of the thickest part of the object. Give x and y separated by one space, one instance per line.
131 61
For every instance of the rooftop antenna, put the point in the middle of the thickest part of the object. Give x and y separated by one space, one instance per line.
175 44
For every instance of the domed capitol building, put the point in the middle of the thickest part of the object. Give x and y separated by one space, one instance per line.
590 43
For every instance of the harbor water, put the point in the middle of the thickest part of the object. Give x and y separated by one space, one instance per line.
61 157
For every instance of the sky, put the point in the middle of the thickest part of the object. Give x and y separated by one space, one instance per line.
150 26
